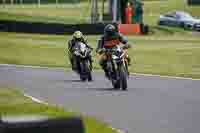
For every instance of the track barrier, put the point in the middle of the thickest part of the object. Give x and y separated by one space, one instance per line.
64 29
38 124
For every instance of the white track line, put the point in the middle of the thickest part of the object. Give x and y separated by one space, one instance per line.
45 103
117 130
35 99
28 66
61 68
156 75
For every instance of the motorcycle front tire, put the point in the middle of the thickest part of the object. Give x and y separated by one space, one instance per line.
123 78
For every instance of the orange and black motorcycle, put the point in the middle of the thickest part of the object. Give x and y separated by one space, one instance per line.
117 65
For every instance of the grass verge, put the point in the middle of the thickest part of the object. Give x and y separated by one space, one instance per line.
12 102
174 55
48 13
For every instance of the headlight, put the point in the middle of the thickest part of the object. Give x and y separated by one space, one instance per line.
76 52
115 57
82 50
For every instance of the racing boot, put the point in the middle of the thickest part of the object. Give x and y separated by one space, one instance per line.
106 72
104 67
91 61
73 65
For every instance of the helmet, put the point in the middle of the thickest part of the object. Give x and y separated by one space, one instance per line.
78 35
109 29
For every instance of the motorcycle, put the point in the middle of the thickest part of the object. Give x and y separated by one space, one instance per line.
117 66
83 61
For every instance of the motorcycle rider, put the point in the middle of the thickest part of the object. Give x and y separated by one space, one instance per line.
77 37
110 38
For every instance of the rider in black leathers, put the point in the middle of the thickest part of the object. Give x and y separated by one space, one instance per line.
110 36
77 37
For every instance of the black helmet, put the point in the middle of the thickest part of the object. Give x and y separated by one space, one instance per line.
109 29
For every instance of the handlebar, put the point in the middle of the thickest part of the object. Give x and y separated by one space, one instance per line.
114 48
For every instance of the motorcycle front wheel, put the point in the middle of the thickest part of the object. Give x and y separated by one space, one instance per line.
123 77
85 73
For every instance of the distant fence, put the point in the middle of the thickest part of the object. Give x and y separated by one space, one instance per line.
37 1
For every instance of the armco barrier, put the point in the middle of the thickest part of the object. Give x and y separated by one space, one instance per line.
55 28
49 28
56 125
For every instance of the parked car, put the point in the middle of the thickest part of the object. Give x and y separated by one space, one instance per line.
180 19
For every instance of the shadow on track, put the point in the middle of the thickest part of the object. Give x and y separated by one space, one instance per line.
104 89
73 80
70 81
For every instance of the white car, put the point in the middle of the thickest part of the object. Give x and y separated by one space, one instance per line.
180 19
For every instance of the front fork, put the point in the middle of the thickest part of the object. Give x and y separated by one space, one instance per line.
123 63
126 66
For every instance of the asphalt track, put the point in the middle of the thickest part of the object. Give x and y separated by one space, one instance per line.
151 104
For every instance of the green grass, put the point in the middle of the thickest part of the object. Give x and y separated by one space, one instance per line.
168 56
48 13
46 19
176 54
12 102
